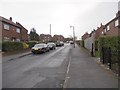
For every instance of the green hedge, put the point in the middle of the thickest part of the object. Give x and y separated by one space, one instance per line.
113 43
11 46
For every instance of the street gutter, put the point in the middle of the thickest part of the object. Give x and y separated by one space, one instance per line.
67 72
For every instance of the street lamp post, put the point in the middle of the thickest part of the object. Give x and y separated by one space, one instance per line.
73 34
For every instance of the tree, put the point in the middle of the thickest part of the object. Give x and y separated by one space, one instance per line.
33 35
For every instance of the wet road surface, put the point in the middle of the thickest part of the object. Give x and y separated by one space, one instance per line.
45 70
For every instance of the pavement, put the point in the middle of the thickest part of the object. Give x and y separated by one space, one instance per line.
12 56
84 71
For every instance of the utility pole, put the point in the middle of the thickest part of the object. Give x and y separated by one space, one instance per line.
50 29
73 35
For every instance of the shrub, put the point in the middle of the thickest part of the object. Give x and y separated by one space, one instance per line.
11 46
25 45
113 43
31 44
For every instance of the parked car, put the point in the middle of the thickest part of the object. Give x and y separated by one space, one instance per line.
71 42
40 48
51 45
59 43
62 43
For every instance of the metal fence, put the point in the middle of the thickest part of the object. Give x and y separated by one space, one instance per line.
110 57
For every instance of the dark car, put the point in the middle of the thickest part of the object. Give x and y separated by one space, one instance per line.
59 43
71 42
40 48
51 45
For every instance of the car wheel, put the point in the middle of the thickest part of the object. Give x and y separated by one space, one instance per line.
44 51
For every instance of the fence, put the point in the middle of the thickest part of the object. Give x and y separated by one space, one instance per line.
110 58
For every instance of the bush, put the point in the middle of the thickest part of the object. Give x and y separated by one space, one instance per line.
11 46
31 44
25 45
113 43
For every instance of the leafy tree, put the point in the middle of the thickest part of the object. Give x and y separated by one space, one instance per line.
33 35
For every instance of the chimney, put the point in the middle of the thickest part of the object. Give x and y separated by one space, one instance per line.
10 18
118 14
97 27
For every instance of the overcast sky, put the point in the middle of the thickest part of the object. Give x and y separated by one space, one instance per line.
61 14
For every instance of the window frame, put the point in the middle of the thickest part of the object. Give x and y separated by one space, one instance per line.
6 26
116 22
108 27
17 30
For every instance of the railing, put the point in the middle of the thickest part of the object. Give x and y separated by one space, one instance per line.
110 57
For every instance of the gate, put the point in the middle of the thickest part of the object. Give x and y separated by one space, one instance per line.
106 56
110 58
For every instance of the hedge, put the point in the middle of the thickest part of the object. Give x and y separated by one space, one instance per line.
11 46
113 43
31 44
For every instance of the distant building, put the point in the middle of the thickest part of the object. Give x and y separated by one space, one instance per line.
12 31
45 38
68 39
58 38
86 35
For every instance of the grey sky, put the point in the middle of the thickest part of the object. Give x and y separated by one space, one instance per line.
61 14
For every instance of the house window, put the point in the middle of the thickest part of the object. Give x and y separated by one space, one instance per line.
6 39
102 32
105 30
116 23
18 40
17 30
108 28
6 26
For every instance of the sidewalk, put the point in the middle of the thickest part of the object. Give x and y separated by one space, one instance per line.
85 72
14 55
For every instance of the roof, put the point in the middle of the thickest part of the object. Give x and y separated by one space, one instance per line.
117 16
45 35
58 36
9 22
21 26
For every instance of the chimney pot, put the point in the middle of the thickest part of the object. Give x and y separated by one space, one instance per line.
10 18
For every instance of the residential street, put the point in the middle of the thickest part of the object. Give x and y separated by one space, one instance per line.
66 67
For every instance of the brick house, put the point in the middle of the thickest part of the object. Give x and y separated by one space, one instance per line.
98 31
112 28
45 38
12 31
58 38
86 35
24 32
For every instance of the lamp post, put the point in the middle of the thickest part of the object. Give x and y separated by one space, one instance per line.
73 34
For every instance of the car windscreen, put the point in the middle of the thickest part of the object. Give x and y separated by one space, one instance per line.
50 44
39 45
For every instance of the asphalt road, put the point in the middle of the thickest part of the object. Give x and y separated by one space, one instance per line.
37 71
65 67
